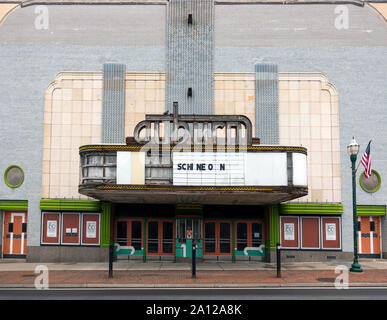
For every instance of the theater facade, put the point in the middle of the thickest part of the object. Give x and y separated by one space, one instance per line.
178 179
197 126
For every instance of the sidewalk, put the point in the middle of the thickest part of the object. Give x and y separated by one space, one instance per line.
209 274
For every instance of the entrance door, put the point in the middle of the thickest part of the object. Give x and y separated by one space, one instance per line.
160 237
369 236
248 234
15 234
129 233
217 237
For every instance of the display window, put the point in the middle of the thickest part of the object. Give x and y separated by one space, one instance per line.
331 235
289 232
189 228
90 228
310 232
70 228
51 226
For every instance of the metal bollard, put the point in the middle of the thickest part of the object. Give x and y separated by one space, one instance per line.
111 251
193 260
278 251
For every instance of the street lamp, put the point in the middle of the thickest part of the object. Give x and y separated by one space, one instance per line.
353 150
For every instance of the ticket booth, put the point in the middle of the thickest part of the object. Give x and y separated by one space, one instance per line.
189 231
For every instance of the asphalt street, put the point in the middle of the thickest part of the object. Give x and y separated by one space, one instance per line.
171 294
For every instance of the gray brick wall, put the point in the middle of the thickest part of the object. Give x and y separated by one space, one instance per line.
190 56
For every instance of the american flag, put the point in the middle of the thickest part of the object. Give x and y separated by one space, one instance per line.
366 161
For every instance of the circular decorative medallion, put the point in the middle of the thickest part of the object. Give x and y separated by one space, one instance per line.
372 184
14 176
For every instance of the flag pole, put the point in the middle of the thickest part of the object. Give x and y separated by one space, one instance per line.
357 166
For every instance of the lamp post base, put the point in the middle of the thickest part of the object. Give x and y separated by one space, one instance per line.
356 268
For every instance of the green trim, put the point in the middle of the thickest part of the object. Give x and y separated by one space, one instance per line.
144 235
5 177
17 205
70 205
377 187
233 240
105 225
274 227
371 210
311 208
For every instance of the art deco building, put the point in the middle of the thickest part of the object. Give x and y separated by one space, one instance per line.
157 125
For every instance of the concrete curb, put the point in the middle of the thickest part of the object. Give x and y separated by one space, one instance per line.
193 286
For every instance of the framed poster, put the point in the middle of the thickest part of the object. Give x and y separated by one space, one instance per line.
90 229
289 232
50 229
331 229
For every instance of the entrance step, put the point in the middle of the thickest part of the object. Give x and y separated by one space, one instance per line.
12 260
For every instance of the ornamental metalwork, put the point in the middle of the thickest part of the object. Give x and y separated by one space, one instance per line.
194 129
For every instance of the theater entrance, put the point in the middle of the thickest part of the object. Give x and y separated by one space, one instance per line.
217 237
160 237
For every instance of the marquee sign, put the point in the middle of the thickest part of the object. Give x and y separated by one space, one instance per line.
208 168
194 129
236 169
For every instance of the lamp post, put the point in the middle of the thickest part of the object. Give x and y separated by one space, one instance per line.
353 150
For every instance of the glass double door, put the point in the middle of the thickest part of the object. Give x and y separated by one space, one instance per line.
160 237
129 233
248 234
217 237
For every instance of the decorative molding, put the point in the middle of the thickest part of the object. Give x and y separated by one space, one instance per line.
274 227
191 188
379 181
105 224
16 205
5 177
192 148
70 205
365 210
311 208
